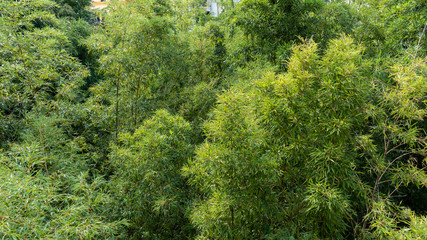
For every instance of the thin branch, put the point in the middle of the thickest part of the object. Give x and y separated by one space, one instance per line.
385 144
394 190
419 41
366 150
377 182
397 158
394 148
385 181
10 219
399 196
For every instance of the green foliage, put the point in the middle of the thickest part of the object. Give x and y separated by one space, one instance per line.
279 21
331 20
34 65
393 27
46 181
73 8
269 25
143 63
329 209
149 63
303 126
385 223
162 122
198 102
399 151
236 169
149 189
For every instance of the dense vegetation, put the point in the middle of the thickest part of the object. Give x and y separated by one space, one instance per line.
278 119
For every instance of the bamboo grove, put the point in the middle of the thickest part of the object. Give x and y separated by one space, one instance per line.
153 119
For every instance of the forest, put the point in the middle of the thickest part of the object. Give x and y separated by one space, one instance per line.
154 119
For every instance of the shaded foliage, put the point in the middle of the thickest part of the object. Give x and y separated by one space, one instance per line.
153 195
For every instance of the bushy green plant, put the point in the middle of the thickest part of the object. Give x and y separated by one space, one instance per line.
303 130
46 189
393 27
149 189
35 68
